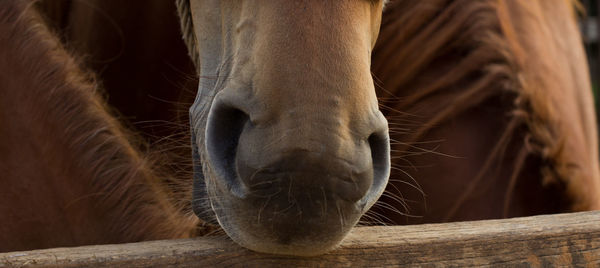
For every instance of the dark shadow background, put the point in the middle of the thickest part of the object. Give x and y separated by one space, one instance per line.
589 23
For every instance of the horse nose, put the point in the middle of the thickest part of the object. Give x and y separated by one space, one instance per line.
258 156
290 177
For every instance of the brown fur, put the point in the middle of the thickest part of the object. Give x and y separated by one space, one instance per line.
70 172
492 108
143 67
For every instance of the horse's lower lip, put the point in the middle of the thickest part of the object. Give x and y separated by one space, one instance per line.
280 224
292 213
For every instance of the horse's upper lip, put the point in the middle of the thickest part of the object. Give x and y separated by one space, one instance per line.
306 170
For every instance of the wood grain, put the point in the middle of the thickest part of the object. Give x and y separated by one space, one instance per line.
540 241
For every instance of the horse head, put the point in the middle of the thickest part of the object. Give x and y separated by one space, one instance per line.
290 147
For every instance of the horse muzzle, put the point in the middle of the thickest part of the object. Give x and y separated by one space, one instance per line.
290 193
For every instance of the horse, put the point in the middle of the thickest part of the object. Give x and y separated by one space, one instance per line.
489 105
71 173
289 144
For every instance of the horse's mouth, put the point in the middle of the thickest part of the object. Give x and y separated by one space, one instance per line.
279 217
293 212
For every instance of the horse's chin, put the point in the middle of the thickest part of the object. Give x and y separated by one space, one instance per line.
274 223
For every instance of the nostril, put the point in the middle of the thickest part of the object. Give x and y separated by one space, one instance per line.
380 150
224 127
379 143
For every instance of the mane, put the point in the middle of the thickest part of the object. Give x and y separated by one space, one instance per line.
441 58
65 109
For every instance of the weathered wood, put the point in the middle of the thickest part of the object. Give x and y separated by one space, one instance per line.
553 240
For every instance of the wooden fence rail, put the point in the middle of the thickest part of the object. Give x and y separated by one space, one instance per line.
544 241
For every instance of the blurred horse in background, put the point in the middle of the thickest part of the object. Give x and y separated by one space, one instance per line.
142 64
70 173
490 107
